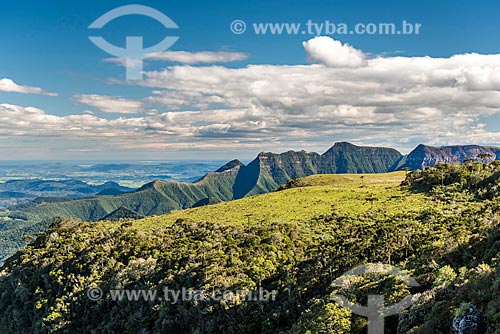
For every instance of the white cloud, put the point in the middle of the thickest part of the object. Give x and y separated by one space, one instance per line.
183 57
9 86
393 101
199 57
35 122
333 53
390 101
30 129
109 104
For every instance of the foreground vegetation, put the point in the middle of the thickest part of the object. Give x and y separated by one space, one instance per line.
440 225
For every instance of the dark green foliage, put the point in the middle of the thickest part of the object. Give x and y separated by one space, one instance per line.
206 201
480 180
123 213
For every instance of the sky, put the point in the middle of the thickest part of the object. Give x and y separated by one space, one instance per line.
220 93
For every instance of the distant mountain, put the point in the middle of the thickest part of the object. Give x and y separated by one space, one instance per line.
230 165
345 158
58 187
232 181
424 156
269 170
106 168
110 191
47 186
15 192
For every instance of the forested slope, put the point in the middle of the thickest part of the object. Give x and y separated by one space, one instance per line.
441 225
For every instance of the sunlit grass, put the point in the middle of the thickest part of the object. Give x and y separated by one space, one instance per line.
348 194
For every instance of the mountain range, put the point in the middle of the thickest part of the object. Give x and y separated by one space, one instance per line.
14 192
236 180
427 156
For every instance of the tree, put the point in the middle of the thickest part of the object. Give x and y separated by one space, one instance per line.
406 169
324 318
484 157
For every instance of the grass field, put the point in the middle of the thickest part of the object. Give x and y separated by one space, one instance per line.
348 194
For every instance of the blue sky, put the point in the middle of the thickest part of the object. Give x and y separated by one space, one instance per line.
45 44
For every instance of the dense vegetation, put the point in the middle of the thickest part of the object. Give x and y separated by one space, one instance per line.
441 226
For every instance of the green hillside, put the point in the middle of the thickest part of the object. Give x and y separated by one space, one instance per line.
441 225
154 198
316 195
234 180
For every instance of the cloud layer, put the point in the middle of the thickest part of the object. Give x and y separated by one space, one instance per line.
109 104
390 101
9 86
183 57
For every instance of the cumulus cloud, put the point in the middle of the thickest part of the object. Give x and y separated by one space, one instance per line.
390 101
9 86
109 104
395 101
333 53
34 122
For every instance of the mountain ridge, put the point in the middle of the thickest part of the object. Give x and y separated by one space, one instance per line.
428 156
234 180
266 173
